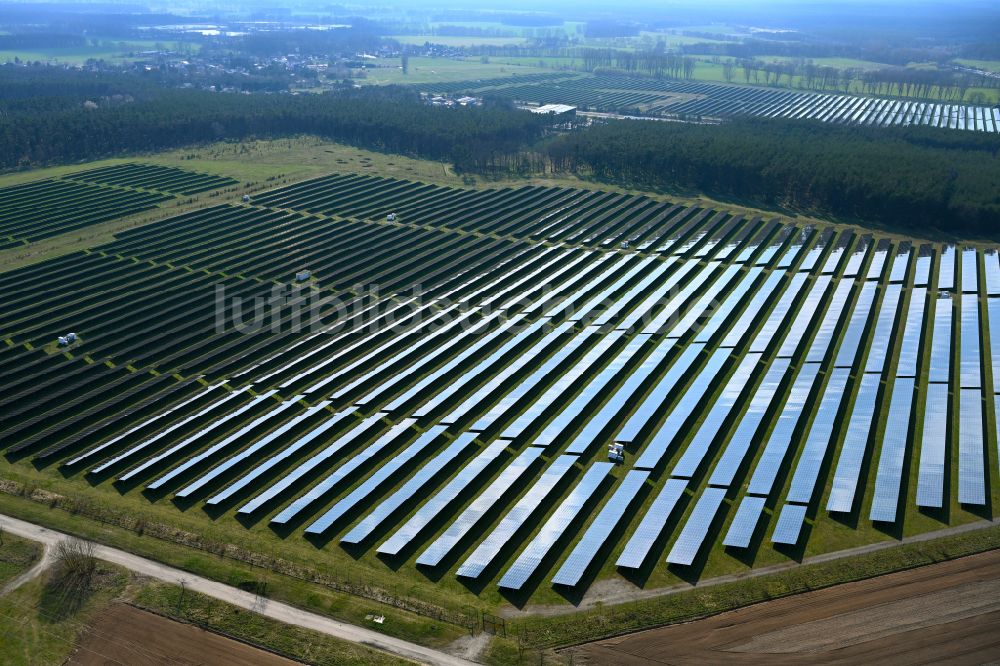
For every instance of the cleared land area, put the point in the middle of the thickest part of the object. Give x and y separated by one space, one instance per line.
127 635
943 611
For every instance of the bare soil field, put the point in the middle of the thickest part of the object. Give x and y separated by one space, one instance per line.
942 613
129 636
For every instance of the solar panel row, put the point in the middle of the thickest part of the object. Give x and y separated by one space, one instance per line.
519 516
555 527
448 495
487 499
596 537
381 477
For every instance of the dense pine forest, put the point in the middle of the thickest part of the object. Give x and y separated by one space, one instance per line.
915 179
57 120
909 178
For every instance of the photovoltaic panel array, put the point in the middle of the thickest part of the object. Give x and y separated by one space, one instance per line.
554 528
597 535
518 517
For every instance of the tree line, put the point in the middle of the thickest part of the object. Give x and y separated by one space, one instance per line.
909 178
914 178
71 127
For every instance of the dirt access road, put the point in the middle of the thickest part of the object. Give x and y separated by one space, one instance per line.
124 634
246 600
942 613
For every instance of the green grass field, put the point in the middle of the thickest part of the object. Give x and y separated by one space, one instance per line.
449 40
17 555
107 49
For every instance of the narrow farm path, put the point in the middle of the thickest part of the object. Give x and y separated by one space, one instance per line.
247 600
44 562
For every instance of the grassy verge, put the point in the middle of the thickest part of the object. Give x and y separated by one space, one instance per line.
41 625
295 642
311 596
696 603
17 555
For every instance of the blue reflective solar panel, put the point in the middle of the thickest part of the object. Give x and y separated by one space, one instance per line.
878 260
411 489
648 409
813 255
922 273
744 230
642 287
565 383
766 472
991 260
850 345
428 359
724 311
775 321
594 305
597 535
706 306
828 326
570 304
993 313
933 447
554 429
969 364
520 515
434 380
488 365
837 253
793 251
446 496
285 454
695 452
215 428
971 466
744 522
665 293
970 271
382 476
651 527
554 528
769 252
348 371
747 253
845 480
521 388
616 403
248 452
901 262
940 362
601 312
797 330
486 500
890 463
884 326
315 461
165 417
343 474
673 303
913 329
696 528
789 524
739 329
946 271
736 450
228 443
857 257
